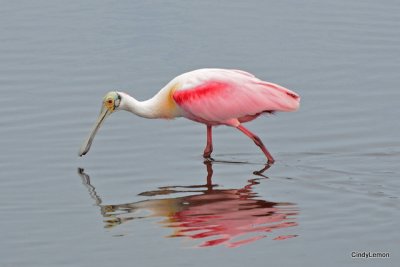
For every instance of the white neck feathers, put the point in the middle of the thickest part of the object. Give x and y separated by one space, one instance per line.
159 106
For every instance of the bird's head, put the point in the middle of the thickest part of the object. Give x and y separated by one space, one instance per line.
111 103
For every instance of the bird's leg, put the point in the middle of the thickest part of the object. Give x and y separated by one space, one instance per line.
209 147
258 142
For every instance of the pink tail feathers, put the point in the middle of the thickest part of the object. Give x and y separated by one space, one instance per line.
293 100
285 99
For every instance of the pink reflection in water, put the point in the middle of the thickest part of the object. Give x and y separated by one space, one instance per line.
230 217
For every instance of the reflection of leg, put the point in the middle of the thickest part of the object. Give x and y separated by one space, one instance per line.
209 147
258 142
209 175
174 189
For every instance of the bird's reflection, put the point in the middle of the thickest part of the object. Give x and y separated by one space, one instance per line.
230 217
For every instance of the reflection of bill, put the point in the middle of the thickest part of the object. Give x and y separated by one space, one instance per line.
232 217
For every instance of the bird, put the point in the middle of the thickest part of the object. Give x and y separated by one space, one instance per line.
210 96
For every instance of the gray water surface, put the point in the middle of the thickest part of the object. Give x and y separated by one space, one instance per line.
143 196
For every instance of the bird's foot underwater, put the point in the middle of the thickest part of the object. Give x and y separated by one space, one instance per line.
260 172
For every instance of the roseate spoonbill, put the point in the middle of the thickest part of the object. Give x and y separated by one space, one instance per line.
209 96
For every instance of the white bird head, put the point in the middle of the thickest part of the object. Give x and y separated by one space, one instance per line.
111 103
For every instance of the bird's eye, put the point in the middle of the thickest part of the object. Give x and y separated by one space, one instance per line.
109 103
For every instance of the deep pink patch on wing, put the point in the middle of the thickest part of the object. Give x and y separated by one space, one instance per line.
205 90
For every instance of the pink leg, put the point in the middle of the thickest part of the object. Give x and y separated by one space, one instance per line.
209 148
258 142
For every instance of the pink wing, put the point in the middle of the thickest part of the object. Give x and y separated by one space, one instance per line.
224 96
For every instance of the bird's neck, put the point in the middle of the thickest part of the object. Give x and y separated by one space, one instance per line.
156 107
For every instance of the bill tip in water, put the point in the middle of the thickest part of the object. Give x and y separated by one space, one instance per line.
83 150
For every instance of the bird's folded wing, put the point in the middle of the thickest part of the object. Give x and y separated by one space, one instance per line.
230 94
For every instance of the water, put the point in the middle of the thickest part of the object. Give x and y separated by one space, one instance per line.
145 197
